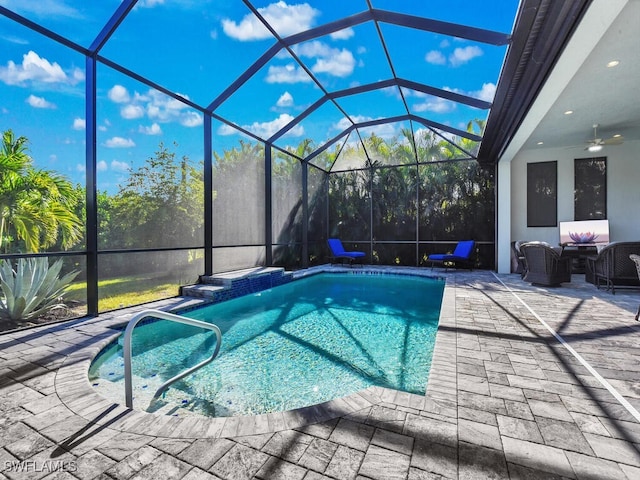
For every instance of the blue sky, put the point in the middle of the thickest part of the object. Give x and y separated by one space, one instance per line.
198 48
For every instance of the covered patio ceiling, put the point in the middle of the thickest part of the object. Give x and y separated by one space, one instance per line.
329 73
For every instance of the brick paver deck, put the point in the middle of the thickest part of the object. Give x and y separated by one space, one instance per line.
506 399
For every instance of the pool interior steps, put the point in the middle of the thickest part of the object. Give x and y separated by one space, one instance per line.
225 286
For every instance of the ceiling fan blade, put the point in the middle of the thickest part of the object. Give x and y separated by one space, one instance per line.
613 141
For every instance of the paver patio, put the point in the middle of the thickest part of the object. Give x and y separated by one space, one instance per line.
506 399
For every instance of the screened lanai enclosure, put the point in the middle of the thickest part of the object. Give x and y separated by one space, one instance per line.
146 143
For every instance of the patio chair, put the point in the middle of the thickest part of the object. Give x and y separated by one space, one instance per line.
461 256
338 251
612 267
636 260
519 265
545 265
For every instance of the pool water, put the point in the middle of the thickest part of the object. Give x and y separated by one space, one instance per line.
300 344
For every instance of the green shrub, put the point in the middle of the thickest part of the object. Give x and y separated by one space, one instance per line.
32 289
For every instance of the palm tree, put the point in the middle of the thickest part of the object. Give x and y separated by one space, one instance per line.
36 206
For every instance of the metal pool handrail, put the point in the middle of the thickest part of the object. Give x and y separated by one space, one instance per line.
128 389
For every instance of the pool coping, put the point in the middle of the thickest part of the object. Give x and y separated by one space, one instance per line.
76 393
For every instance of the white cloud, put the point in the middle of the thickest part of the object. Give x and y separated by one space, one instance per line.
140 98
313 49
285 19
118 94
384 130
191 119
162 108
130 112
119 166
44 8
343 34
153 129
267 129
334 61
435 57
35 69
486 93
339 65
77 75
15 40
39 102
79 124
285 100
102 166
119 142
149 3
287 74
345 123
227 130
434 105
461 55
155 106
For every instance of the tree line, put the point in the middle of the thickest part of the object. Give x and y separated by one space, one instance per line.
397 186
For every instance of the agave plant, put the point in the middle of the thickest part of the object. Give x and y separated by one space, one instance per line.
32 289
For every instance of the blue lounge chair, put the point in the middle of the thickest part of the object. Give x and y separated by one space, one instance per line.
461 256
338 251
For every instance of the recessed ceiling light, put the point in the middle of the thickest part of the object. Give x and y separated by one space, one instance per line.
613 63
568 112
617 135
540 143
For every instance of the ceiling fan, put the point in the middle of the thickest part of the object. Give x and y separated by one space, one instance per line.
596 144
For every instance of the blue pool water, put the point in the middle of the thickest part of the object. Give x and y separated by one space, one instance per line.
295 345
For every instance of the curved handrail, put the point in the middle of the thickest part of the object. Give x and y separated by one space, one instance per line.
128 389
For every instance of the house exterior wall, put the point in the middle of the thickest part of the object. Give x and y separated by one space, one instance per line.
623 191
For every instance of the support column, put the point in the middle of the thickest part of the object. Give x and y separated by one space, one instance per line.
503 217
91 220
208 196
305 214
268 215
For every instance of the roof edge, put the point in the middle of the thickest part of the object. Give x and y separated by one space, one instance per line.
541 32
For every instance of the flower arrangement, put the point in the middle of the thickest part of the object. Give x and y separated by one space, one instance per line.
583 237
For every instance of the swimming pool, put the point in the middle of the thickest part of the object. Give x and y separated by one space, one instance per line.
300 344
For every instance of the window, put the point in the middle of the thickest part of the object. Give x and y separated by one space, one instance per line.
590 188
542 194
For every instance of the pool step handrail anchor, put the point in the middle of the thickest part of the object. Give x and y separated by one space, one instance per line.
128 333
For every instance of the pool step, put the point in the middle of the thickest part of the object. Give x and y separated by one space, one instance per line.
224 286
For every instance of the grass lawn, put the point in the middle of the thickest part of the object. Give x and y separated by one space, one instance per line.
122 292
